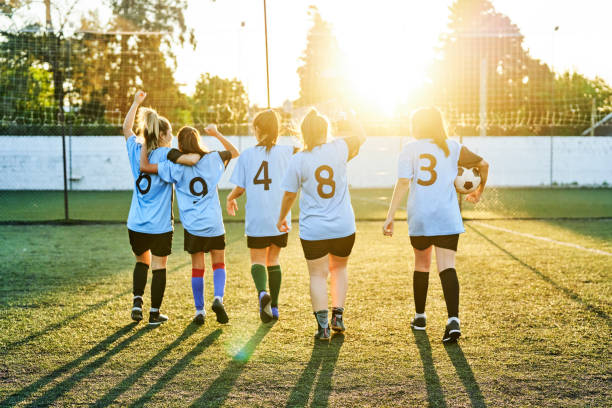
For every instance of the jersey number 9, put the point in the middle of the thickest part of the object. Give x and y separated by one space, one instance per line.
325 181
192 187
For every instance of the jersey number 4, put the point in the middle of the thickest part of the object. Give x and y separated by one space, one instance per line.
266 181
433 176
325 181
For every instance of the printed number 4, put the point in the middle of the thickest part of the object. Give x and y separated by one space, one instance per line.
265 180
431 169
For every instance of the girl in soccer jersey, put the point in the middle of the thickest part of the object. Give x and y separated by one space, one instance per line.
428 168
259 172
200 211
150 219
327 221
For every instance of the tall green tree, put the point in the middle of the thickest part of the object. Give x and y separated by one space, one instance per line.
219 100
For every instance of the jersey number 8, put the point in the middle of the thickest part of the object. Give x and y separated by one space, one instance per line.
325 181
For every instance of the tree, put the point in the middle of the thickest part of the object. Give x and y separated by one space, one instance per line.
219 100
322 76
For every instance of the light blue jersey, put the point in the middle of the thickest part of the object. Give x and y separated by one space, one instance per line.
151 208
432 207
196 192
325 203
260 173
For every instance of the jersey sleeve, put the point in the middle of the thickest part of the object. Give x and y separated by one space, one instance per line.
353 145
169 172
173 155
404 167
226 156
238 177
467 158
291 182
131 144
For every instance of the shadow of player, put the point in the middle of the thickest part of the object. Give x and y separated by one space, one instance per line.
465 373
435 395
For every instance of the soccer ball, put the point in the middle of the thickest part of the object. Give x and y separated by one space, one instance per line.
467 180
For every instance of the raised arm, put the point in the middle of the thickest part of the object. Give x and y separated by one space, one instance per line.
128 123
483 169
212 131
231 204
286 204
399 192
145 165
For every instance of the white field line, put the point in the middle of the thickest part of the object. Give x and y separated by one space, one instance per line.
523 234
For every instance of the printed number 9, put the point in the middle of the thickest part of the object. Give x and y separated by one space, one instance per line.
325 181
192 185
431 169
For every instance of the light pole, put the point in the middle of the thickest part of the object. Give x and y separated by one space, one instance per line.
553 102
267 70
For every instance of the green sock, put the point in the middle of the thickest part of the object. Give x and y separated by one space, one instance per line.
274 276
259 277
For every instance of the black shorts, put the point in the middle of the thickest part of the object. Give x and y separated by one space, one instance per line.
336 246
264 242
159 244
441 241
194 244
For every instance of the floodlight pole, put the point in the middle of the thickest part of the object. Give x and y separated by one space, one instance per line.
267 69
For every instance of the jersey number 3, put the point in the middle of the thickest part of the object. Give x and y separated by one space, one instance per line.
325 181
433 176
265 180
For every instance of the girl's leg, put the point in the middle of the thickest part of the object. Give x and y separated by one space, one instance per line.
274 276
420 284
158 283
258 269
445 258
219 276
339 287
139 281
197 281
318 270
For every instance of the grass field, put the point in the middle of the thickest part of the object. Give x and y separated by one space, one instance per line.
535 316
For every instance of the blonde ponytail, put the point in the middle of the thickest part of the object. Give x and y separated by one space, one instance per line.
314 130
150 127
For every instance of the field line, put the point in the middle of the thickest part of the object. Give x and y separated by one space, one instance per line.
524 234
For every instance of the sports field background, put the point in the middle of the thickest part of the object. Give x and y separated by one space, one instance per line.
535 315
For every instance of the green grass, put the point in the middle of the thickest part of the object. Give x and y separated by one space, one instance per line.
535 316
369 204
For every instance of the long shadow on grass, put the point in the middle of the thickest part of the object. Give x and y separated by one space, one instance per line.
324 356
58 325
218 391
40 383
568 292
464 371
124 385
50 396
435 395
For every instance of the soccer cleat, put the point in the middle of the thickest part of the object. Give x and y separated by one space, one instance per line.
275 313
418 323
137 309
219 310
265 310
452 332
199 319
337 323
323 333
156 318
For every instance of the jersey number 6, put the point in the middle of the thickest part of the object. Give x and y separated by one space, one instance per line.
265 181
431 169
325 181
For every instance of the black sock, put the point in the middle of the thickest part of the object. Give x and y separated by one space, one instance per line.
450 287
139 278
420 283
158 287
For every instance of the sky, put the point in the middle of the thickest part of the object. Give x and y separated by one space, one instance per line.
391 41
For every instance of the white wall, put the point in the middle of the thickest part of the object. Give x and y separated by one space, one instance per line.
100 162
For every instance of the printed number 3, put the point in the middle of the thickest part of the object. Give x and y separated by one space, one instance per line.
431 169
325 181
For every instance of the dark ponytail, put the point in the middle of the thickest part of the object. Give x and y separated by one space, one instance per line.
268 123
427 123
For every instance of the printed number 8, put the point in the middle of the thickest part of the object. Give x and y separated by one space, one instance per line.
328 181
431 169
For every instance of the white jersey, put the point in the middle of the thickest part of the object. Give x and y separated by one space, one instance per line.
260 173
325 203
432 207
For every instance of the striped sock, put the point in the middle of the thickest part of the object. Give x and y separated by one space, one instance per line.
197 287
219 279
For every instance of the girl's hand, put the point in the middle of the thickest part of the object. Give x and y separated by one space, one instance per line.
474 196
282 225
232 207
139 97
211 130
388 228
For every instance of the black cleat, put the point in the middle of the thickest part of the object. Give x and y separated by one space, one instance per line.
418 323
137 310
323 333
199 319
156 318
265 309
219 310
337 323
452 332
